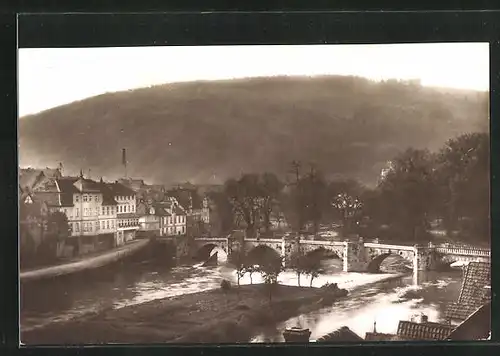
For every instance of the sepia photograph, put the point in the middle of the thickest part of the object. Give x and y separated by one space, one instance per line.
326 193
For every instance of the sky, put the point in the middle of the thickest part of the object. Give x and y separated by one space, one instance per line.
50 77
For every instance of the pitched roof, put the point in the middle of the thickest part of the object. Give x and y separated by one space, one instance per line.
28 177
342 334
473 293
477 326
409 330
107 194
374 336
67 190
119 189
179 211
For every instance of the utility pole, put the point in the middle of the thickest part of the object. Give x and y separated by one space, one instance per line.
296 165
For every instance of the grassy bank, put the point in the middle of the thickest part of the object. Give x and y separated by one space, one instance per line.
206 317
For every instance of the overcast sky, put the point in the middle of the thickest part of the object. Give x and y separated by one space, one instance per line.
53 77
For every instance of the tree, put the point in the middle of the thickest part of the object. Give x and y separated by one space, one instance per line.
311 267
297 260
408 192
463 177
313 187
251 269
270 270
238 260
244 195
270 188
348 207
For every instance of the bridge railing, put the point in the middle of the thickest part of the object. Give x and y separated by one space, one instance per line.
272 241
322 242
465 251
389 247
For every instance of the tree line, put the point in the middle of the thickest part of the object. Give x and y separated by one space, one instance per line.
420 192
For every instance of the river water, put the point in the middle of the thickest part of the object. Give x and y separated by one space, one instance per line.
385 298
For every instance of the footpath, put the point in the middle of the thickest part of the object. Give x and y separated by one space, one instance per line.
84 263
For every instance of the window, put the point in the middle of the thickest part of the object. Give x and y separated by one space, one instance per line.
97 211
133 208
107 224
77 198
103 210
77 227
97 198
84 198
90 197
107 210
112 224
97 226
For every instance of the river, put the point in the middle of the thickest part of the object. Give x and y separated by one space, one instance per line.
384 298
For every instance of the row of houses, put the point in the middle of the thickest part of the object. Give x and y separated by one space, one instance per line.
102 213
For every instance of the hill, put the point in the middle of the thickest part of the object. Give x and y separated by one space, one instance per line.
205 132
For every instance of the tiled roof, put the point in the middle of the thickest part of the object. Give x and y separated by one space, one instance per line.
476 277
67 190
119 189
107 195
409 330
477 326
473 293
179 211
457 311
342 334
28 177
370 336
162 209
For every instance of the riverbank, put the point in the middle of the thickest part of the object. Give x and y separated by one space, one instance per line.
206 317
84 262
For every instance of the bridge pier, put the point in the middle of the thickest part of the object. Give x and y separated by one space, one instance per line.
354 257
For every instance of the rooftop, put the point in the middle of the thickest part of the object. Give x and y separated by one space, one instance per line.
339 335
374 336
409 330
476 327
473 293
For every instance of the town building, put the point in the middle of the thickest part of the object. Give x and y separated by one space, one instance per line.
100 215
196 207
149 222
172 217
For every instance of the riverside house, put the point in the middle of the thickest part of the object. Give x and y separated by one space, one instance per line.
100 215
172 217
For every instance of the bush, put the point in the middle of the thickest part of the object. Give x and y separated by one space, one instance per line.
225 285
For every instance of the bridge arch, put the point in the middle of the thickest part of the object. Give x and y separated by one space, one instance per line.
323 252
206 251
261 254
377 260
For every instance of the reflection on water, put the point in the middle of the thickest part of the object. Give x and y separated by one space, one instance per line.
130 283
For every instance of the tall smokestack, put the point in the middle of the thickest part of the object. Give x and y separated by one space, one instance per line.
124 160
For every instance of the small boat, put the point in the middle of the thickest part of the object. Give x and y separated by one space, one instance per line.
296 334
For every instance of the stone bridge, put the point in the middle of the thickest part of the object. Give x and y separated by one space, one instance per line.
357 256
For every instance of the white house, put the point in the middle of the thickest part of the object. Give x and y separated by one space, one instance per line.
172 217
